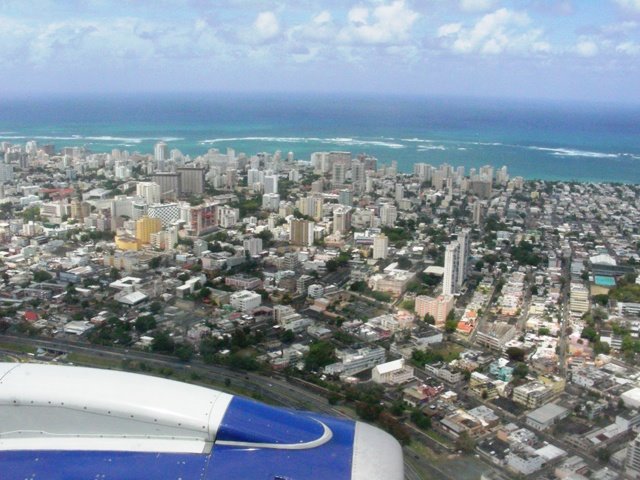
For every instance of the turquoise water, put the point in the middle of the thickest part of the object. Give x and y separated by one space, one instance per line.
543 140
605 281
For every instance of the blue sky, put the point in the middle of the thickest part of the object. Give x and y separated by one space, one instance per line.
572 49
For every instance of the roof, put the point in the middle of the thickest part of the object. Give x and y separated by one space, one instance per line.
390 366
435 270
133 298
547 413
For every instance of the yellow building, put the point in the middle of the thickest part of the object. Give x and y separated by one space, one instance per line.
145 227
126 242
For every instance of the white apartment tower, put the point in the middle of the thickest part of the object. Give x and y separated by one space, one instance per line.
451 269
150 191
380 246
388 215
160 154
270 184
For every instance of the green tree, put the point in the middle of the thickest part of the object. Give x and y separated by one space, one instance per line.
41 276
145 323
287 336
521 370
320 354
163 343
451 324
184 351
420 419
155 307
515 354
465 442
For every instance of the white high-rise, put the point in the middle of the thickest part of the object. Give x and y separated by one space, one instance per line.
160 154
380 246
150 191
451 269
270 184
388 215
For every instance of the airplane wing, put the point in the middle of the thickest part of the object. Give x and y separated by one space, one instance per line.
68 423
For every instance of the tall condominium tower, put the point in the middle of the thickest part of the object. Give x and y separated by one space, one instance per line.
451 269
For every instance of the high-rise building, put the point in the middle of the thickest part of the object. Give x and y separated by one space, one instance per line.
451 269
388 215
6 172
342 219
160 154
145 227
481 187
422 171
338 173
252 245
170 184
345 197
632 463
358 174
270 184
464 241
166 212
271 201
438 308
477 212
191 180
301 232
399 192
150 191
380 246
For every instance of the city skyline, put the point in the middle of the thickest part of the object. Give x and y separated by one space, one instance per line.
483 48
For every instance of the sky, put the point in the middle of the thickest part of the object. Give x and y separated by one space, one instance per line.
528 49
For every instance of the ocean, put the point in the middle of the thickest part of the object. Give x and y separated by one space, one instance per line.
537 140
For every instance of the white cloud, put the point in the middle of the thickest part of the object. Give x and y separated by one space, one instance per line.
628 48
385 24
266 26
449 29
629 4
477 5
495 33
586 48
321 29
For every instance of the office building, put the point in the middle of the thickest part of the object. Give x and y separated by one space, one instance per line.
245 300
